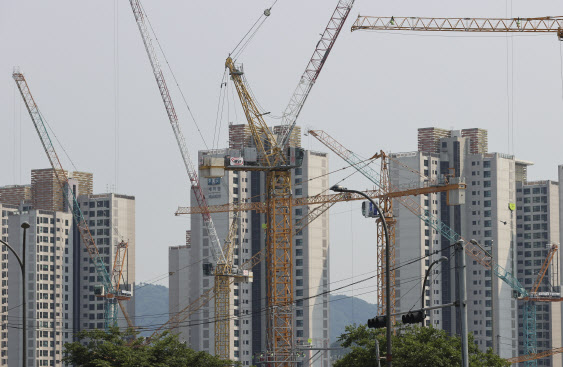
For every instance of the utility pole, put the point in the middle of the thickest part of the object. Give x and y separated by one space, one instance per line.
494 333
462 300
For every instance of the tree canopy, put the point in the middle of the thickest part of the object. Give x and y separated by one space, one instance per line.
412 346
98 348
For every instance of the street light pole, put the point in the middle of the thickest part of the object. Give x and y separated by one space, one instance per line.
441 259
337 188
462 299
21 262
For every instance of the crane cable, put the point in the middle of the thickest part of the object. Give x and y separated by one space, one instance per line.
236 52
174 76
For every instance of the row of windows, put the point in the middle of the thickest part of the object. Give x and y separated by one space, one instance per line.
96 204
535 199
99 213
535 190
486 164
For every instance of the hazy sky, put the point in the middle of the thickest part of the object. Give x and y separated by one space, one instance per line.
376 89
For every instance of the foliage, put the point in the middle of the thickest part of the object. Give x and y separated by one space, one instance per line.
98 348
412 346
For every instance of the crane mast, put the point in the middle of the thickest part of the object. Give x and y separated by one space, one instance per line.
110 291
313 69
279 231
216 249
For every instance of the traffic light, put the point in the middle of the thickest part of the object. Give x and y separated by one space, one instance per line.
377 322
414 317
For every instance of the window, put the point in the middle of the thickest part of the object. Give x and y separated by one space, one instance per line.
487 174
487 193
298 192
298 171
486 164
487 203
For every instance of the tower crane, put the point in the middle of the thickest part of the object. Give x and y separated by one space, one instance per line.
276 159
472 248
109 289
223 264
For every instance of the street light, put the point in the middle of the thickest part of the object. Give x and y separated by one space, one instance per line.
338 188
441 259
21 261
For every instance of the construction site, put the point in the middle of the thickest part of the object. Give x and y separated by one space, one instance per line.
356 187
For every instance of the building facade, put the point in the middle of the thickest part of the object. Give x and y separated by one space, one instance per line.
491 216
248 300
537 219
49 281
111 219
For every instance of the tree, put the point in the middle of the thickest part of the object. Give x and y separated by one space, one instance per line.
412 346
98 348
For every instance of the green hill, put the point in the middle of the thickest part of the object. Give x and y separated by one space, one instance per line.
151 307
346 310
151 310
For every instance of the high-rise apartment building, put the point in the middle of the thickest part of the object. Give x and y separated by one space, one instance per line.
537 218
60 253
248 300
490 215
111 219
49 281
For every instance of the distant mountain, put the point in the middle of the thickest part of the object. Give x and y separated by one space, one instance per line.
151 310
151 307
345 311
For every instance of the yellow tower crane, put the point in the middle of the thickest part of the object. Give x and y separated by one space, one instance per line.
276 158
